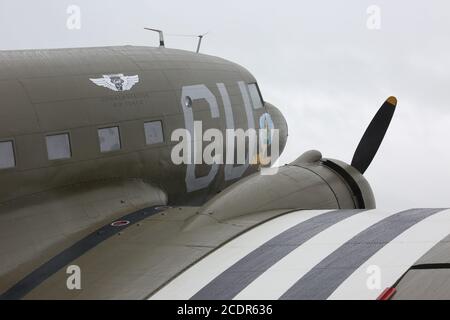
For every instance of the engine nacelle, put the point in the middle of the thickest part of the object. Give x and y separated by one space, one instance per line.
309 182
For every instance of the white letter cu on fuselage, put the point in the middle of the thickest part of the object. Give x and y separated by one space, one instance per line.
194 138
188 95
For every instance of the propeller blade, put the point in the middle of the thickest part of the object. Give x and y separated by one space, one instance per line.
372 138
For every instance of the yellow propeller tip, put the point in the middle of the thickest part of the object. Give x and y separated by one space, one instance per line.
392 100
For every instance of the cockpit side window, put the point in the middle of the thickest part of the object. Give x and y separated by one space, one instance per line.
7 156
255 95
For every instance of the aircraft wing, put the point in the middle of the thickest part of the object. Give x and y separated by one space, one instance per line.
343 254
280 254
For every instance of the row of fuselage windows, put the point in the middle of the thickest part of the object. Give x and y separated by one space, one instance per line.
59 146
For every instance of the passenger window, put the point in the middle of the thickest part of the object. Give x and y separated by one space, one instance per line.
109 139
58 146
255 95
7 158
153 132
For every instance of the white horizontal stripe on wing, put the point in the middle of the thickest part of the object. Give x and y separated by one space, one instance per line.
200 274
280 277
394 259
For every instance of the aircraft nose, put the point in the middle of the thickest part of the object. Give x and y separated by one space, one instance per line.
279 122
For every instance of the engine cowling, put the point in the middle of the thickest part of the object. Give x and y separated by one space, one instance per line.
309 182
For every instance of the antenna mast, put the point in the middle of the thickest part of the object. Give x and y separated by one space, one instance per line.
161 36
200 38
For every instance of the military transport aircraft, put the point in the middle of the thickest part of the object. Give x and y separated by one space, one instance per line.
92 205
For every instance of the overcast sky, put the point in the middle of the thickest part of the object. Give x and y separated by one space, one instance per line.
315 60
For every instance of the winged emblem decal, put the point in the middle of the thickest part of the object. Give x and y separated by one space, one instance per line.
116 82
